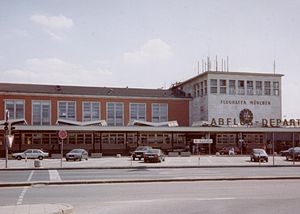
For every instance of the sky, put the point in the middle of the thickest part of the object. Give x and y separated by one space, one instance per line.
148 43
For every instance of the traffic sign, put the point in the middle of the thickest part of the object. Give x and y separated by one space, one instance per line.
10 140
62 134
203 141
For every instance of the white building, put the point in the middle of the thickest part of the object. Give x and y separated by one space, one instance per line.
234 98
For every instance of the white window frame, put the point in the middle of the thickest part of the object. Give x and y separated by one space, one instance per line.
115 121
41 112
67 101
213 86
15 107
145 116
276 89
159 117
91 110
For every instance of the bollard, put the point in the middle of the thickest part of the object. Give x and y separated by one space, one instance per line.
37 163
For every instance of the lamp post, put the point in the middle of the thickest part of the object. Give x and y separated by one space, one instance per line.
6 134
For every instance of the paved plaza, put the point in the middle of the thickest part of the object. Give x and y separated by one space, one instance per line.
126 161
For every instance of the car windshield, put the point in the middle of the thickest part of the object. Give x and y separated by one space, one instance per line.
142 148
259 151
153 151
76 151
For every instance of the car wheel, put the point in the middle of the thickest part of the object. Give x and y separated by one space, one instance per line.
140 158
40 157
19 157
133 158
86 159
79 159
67 159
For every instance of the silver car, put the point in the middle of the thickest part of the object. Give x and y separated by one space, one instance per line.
77 154
32 154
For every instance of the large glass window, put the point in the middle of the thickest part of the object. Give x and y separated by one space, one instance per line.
201 89
41 113
115 114
196 90
138 111
91 111
276 88
67 110
213 86
241 87
232 86
267 85
16 108
159 112
258 87
250 87
223 86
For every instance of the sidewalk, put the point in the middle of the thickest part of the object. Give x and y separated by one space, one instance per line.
127 162
37 209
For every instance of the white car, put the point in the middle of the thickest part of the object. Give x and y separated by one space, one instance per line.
32 154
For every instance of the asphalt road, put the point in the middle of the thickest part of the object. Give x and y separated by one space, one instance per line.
137 174
175 198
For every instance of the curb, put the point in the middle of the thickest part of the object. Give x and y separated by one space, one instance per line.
78 182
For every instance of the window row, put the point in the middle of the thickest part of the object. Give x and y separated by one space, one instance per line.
200 89
105 138
244 87
41 111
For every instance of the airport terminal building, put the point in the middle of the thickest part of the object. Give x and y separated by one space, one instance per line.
237 109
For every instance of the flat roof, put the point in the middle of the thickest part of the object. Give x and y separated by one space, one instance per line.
227 73
59 90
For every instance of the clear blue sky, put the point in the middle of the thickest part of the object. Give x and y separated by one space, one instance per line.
147 44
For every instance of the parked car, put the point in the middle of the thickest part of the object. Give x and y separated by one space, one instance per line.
229 150
77 154
32 154
139 152
154 155
259 155
293 153
286 152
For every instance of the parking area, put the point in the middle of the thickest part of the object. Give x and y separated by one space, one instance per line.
126 161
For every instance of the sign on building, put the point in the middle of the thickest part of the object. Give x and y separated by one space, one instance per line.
203 141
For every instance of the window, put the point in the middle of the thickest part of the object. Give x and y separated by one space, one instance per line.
258 87
205 87
196 90
91 111
41 113
222 86
231 86
276 88
201 89
138 111
16 108
267 85
159 112
241 87
114 114
250 88
213 86
67 110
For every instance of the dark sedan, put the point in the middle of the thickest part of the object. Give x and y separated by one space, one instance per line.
259 155
286 152
140 151
294 154
77 154
154 155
